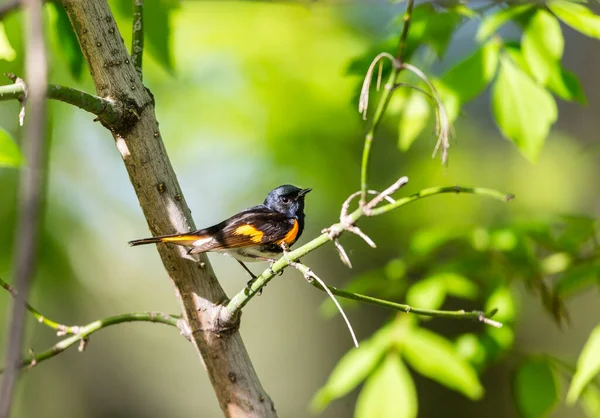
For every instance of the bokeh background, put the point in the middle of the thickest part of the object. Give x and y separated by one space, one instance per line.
259 96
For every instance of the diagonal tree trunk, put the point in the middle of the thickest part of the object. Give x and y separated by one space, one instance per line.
139 142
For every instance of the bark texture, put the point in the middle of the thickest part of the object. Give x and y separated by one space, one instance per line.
139 142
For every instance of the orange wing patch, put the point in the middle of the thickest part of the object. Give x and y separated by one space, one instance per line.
254 234
290 237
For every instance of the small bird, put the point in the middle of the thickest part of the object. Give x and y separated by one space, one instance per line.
259 233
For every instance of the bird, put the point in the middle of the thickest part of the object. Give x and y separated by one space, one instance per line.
259 233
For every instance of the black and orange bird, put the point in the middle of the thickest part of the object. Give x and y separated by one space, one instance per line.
259 233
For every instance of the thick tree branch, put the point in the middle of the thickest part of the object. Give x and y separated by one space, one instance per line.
106 110
137 43
232 309
139 142
30 195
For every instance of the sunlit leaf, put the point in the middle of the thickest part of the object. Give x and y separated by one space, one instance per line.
458 286
435 357
427 293
590 401
395 269
471 76
469 347
556 263
523 110
389 392
578 16
69 45
542 45
491 23
502 300
6 50
536 388
10 156
352 369
566 85
503 337
413 119
588 366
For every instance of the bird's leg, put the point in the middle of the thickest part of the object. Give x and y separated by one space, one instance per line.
285 249
249 283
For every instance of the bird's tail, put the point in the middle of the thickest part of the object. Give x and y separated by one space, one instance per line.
181 239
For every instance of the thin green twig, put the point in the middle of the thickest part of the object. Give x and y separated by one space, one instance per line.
230 310
85 331
103 108
384 101
460 314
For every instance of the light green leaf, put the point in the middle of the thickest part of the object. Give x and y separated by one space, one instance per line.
503 337
523 110
69 45
542 45
578 16
352 369
389 393
435 357
590 401
471 76
395 269
157 21
566 85
10 156
536 388
588 366
432 27
428 293
469 347
502 300
6 50
493 22
459 286
413 119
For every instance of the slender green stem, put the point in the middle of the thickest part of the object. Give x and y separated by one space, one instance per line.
137 43
103 108
432 191
384 100
404 35
461 314
235 305
85 331
63 329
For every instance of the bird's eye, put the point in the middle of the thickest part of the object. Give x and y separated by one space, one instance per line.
285 200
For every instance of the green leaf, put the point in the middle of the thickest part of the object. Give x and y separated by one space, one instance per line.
491 23
590 401
352 369
389 393
588 366
577 279
428 293
395 269
413 119
432 28
458 285
578 16
10 156
502 300
536 388
69 45
435 357
471 76
523 110
6 50
566 85
157 23
542 45
469 347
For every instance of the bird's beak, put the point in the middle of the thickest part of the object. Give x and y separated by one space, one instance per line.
303 192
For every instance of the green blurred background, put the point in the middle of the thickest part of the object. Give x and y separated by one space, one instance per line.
259 96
